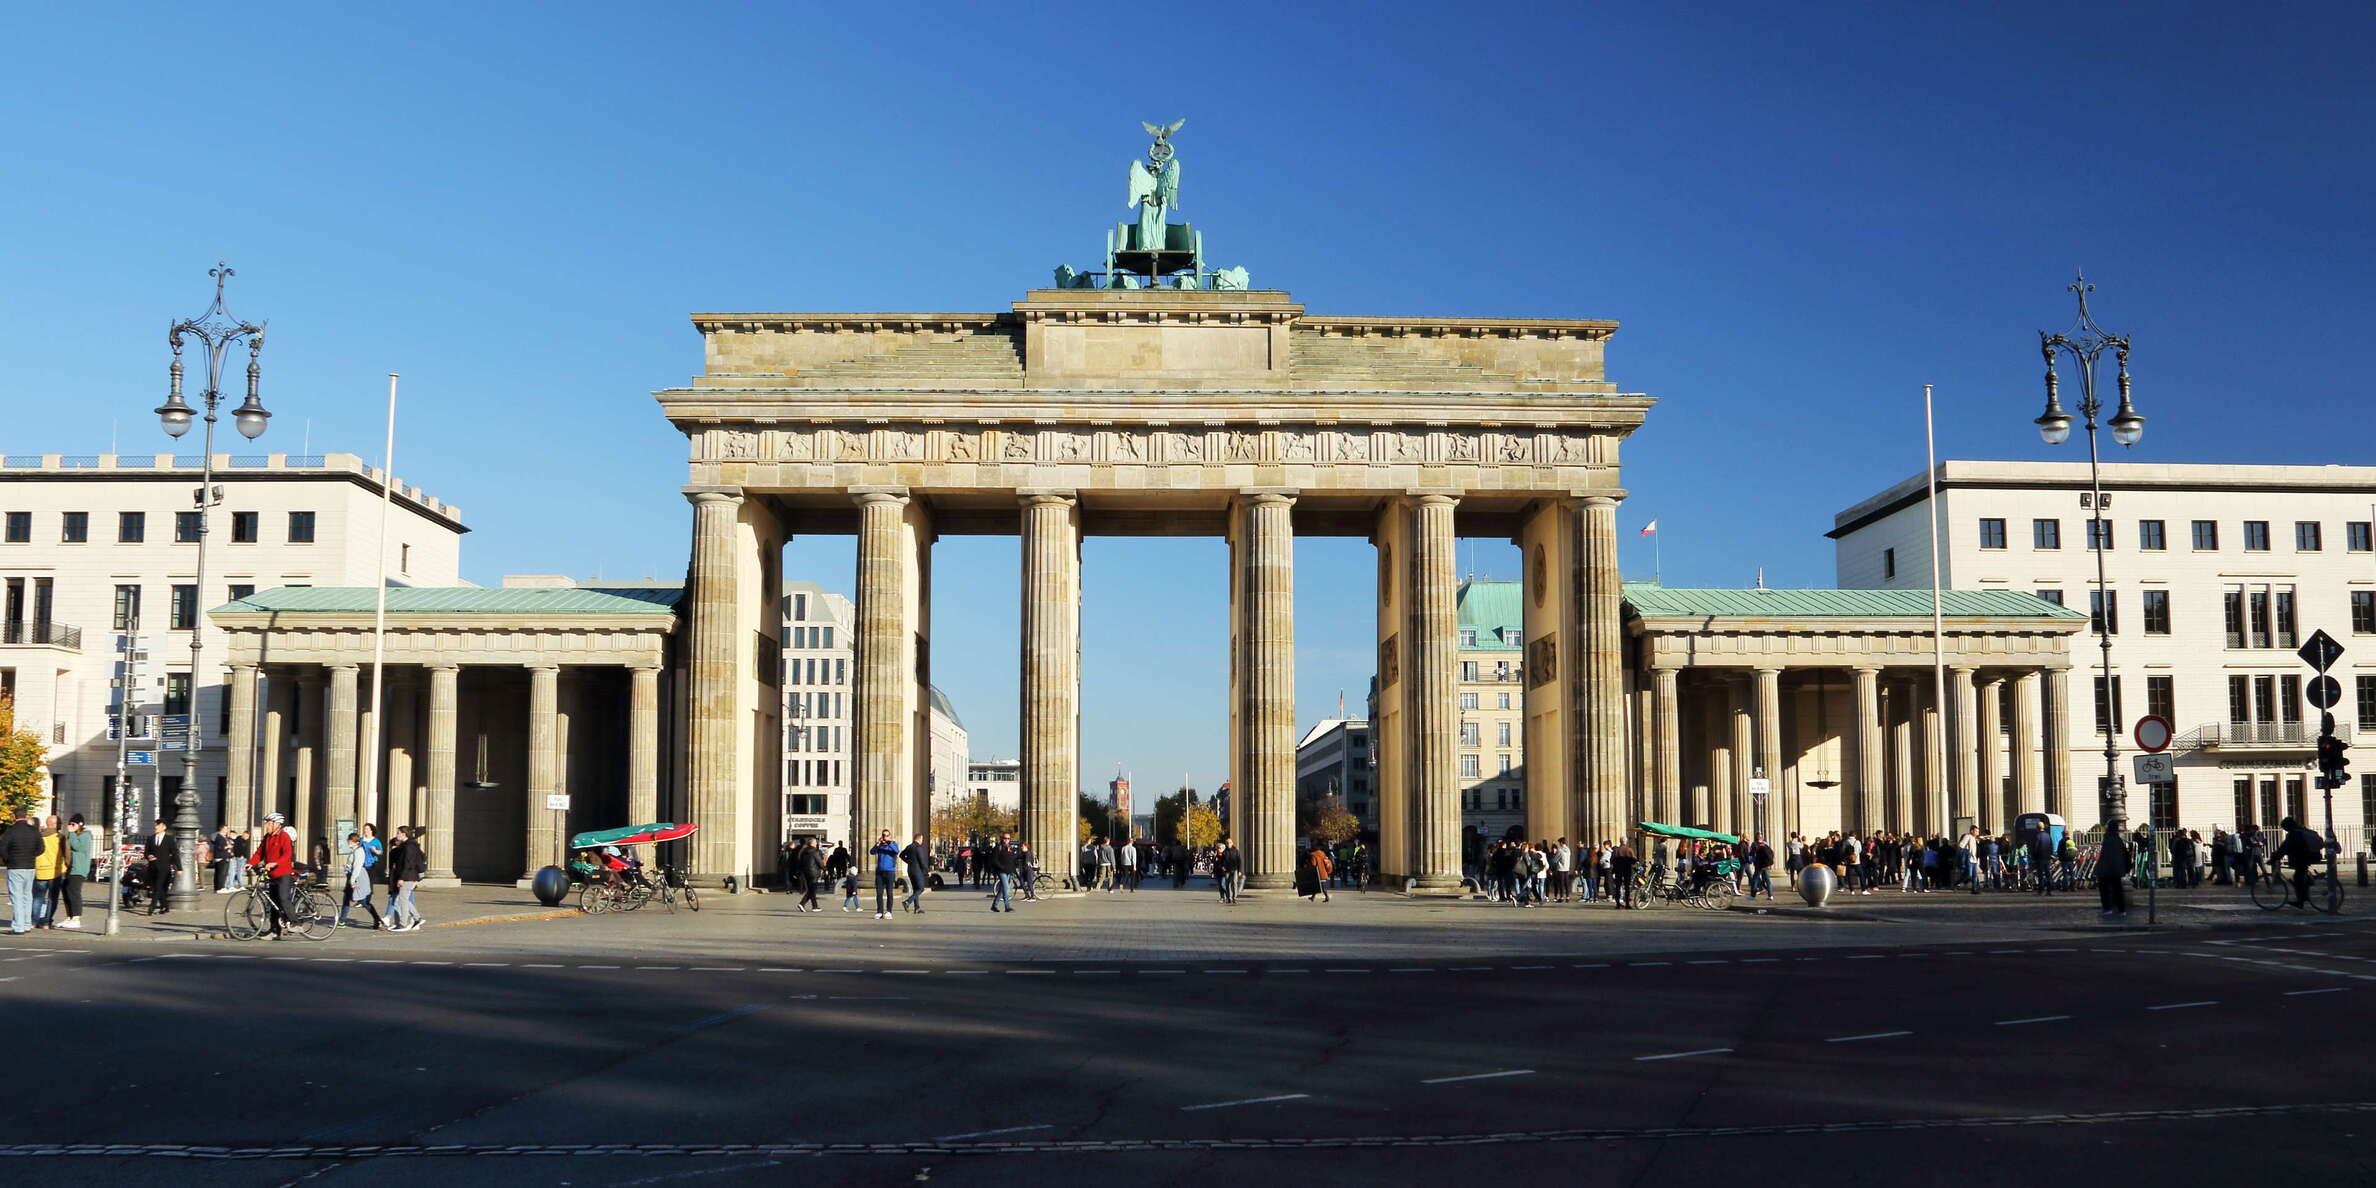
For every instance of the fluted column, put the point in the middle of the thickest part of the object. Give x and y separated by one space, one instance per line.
887 736
1715 721
543 841
713 779
444 700
2057 742
1867 793
1262 545
1604 812
276 734
1743 749
1666 784
643 743
1930 808
1434 665
1769 754
1051 705
2025 744
1902 717
403 733
239 747
338 736
304 820
1996 804
1557 738
1964 797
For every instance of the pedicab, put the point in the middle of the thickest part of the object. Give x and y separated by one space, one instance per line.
612 879
1711 882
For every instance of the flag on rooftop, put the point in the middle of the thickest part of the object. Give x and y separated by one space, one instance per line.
1650 528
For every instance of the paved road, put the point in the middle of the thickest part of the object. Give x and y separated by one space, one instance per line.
2168 1057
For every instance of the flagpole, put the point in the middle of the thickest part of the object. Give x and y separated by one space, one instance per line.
379 622
1930 449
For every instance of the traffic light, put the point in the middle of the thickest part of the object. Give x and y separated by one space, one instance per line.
2333 766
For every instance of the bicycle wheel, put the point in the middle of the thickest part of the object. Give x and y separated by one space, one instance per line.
2329 896
2270 892
1716 896
244 918
590 898
308 918
692 898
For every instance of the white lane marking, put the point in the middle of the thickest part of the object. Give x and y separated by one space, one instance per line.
540 965
1514 1072
725 969
1223 1105
1276 972
2320 990
1019 972
1866 956
1530 967
1145 972
392 961
1681 1055
2179 1006
1359 971
974 1134
580 967
2031 1019
1221 971
2058 950
1594 965
486 964
1757 960
1472 969
669 967
956 971
1631 964
782 969
1870 1035
1412 969
847 971
450 963
1085 973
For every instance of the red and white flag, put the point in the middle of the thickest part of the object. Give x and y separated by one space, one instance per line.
1650 529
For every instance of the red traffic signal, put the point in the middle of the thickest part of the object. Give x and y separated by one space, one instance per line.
2332 763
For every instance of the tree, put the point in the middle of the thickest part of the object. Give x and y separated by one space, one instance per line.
1095 818
1203 823
1325 819
959 819
21 756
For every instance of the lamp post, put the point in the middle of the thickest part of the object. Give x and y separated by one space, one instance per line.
2084 342
217 331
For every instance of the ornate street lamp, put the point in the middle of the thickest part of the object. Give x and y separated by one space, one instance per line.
217 331
2084 343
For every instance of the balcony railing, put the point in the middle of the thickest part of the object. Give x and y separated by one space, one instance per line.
2273 735
55 635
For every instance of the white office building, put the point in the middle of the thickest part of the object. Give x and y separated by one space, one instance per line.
98 546
999 782
2216 574
818 664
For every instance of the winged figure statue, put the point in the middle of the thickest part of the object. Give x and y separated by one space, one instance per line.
1155 184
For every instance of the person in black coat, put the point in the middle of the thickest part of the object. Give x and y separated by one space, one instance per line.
918 862
808 866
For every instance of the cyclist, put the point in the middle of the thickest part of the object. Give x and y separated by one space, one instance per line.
275 860
2304 850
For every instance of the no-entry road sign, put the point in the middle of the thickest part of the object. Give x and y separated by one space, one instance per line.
2153 734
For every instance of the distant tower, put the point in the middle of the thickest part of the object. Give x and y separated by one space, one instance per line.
1119 804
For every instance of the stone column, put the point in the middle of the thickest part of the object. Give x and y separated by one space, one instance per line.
543 841
888 747
338 735
276 733
1965 798
1744 756
404 728
2057 742
1641 802
1776 824
1051 705
368 749
1867 790
239 747
2025 743
444 698
303 821
1901 756
1931 807
1604 812
1556 745
713 669
1666 784
1262 546
1994 801
1715 719
643 743
1434 666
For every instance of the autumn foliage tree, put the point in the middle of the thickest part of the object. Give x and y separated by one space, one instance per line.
21 756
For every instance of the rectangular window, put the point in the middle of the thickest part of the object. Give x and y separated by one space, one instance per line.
2307 537
2256 536
2157 612
127 608
2289 699
1468 734
184 612
1468 637
1505 701
2363 689
2099 534
2046 534
1992 533
404 558
1889 563
131 527
75 527
243 527
2235 618
2107 710
1501 731
301 527
2206 536
1468 670
2259 602
20 528
1468 767
2239 699
2358 538
1505 764
2363 616
2285 618
187 527
2053 596
2367 802
1468 701
2264 700
2151 536
2103 611
177 693
2243 802
2164 797
2161 697
2295 806
239 591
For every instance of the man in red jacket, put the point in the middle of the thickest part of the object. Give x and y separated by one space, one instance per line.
275 859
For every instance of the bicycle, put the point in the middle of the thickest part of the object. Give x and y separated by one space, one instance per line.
249 914
2272 890
671 886
596 896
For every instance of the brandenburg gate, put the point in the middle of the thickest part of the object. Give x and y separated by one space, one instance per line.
1155 397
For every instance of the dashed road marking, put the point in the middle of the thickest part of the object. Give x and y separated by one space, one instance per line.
975 1134
2179 1006
1244 1101
1681 1055
1870 1035
2031 1019
1512 1072
2320 990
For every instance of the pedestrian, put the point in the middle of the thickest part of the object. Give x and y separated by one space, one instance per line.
1621 874
240 844
68 887
1226 865
20 853
1000 863
1127 857
406 864
918 861
1027 871
885 852
48 866
355 879
1323 870
1761 869
218 858
163 859
2115 863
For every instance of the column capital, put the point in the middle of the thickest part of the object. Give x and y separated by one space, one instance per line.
873 495
641 666
542 667
1269 496
1769 669
443 667
1604 500
1964 669
341 667
1865 670
1047 496
1431 498
248 667
731 496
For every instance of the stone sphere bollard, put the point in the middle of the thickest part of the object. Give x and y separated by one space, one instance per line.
1816 884
551 885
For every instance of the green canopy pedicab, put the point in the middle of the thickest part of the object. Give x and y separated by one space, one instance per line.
1711 883
626 889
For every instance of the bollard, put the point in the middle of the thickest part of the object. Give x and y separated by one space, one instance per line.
2363 860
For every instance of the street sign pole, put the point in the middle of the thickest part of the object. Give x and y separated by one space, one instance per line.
2320 652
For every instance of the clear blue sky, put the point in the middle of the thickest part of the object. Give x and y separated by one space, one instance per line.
1801 213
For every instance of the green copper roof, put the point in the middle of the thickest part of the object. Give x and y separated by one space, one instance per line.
461 600
1653 601
1487 607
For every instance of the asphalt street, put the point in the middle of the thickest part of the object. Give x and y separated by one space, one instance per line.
1590 1055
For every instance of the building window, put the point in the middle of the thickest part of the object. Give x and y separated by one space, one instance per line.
2307 537
1468 670
2161 697
1505 701
2053 596
1501 732
2258 601
2099 534
2164 798
75 527
2363 689
1505 765
187 527
239 591
2107 710
2357 538
127 608
183 614
2363 617
131 527
2103 611
2285 618
1992 533
20 528
2256 536
2046 534
2243 802
1468 637
2295 806
2367 802
1889 563
1468 767
301 527
2289 698
177 693
2157 612
2151 536
2233 603
2239 699
404 558
243 527
1468 701
1468 734
2206 536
